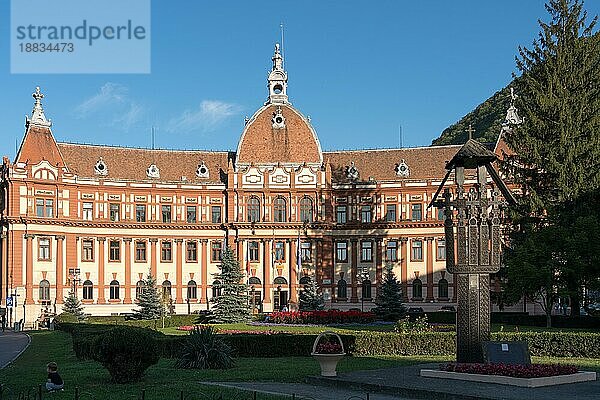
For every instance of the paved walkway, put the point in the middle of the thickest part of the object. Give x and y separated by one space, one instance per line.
306 391
12 344
406 382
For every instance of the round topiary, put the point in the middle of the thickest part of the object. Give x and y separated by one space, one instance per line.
126 353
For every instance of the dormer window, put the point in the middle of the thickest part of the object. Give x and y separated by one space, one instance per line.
352 172
278 119
101 168
202 170
402 169
153 172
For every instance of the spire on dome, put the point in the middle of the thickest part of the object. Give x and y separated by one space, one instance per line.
277 79
38 118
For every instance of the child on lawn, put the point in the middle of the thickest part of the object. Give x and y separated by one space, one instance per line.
54 382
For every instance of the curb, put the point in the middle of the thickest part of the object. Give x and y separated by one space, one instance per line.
9 362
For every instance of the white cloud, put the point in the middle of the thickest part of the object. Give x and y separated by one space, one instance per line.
205 118
113 104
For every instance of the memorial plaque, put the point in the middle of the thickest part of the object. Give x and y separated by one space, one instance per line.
509 352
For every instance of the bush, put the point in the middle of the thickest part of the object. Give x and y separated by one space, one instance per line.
204 349
419 325
322 317
125 353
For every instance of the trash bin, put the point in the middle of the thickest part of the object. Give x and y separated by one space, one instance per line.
17 327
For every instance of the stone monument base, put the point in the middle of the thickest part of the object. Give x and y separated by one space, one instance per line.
509 380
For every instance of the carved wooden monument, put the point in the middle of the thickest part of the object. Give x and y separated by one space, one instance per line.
474 217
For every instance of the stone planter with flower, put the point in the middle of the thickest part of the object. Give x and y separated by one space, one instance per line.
328 350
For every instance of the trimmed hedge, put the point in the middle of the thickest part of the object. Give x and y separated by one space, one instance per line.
546 344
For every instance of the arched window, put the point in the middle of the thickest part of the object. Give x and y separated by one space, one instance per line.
280 280
305 280
88 290
254 280
417 289
253 209
216 289
306 209
279 210
114 290
366 289
44 291
139 289
342 289
443 289
192 290
166 289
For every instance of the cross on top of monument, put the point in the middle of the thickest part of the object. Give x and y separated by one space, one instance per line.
470 131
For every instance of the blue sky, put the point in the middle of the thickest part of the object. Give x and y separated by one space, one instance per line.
358 68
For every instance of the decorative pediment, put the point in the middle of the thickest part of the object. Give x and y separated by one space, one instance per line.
202 170
352 172
100 168
402 169
153 172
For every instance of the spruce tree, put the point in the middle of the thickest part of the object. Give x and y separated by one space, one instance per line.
149 301
557 148
311 298
73 306
388 303
232 305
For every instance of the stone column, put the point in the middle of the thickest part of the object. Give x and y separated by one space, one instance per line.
29 269
354 270
101 298
429 269
153 257
179 272
127 255
293 271
60 239
267 284
204 271
403 267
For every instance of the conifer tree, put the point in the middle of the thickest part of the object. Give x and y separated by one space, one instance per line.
311 298
231 306
149 301
556 149
388 303
73 306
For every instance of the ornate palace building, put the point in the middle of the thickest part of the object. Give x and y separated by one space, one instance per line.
97 218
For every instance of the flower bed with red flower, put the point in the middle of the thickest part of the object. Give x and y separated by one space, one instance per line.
329 348
322 317
512 370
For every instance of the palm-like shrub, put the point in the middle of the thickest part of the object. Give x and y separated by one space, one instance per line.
204 349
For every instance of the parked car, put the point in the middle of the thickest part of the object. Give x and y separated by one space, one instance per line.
447 309
415 312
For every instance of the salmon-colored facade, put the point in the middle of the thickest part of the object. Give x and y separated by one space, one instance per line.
113 214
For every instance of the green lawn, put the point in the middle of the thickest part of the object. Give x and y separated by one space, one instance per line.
163 381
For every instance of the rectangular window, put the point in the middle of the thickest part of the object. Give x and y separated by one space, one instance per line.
44 208
416 212
306 252
166 214
216 214
216 248
114 211
114 250
390 213
365 214
166 251
49 208
87 250
253 251
441 214
341 214
391 253
191 251
341 251
39 208
416 251
366 251
191 214
88 211
279 251
140 213
140 251
441 249
44 249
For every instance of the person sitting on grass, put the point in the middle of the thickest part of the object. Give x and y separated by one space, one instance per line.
55 382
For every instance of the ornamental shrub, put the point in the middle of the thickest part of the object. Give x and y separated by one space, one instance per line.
322 317
204 349
126 353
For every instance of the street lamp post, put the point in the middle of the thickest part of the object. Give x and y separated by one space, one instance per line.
362 276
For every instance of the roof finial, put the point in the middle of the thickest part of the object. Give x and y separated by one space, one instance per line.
470 131
37 115
512 117
277 79
277 59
